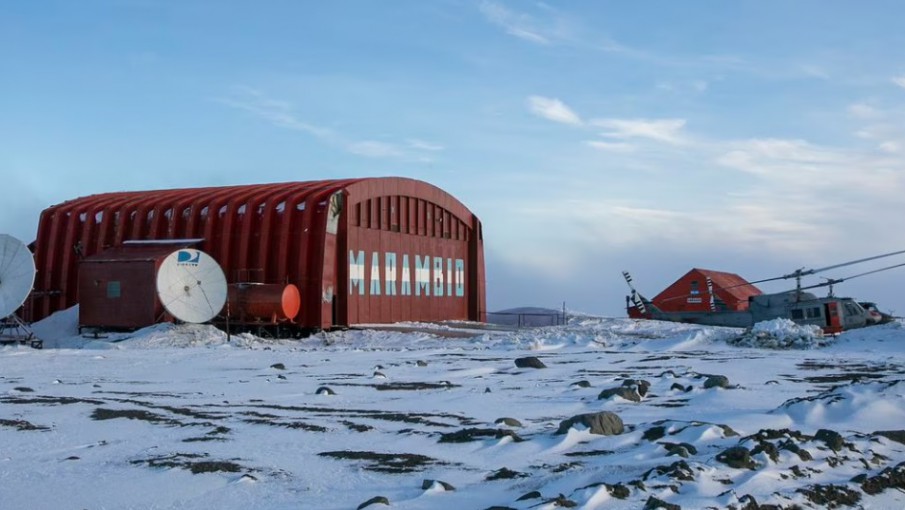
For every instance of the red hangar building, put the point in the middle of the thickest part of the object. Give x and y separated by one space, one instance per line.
360 251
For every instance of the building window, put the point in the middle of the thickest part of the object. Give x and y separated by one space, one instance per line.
113 290
694 288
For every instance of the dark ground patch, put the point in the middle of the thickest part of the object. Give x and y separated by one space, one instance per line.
394 463
101 414
277 421
189 461
21 425
48 400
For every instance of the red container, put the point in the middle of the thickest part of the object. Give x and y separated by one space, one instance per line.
372 250
263 302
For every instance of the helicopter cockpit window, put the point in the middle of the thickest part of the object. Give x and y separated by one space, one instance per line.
797 314
813 313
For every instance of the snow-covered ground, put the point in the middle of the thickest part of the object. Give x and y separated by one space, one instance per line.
179 417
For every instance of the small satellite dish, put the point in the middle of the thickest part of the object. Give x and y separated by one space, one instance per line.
191 285
17 274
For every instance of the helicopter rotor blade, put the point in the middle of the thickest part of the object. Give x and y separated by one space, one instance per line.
833 281
806 272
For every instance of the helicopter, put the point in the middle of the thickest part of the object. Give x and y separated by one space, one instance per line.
831 313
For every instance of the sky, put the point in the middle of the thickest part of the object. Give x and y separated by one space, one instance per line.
590 137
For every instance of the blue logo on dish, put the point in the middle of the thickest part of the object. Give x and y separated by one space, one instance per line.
188 258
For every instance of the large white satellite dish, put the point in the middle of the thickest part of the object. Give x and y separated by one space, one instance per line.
191 285
17 274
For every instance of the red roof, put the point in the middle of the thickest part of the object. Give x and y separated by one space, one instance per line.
730 283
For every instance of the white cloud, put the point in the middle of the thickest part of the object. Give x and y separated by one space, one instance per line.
900 81
553 109
516 24
422 145
890 147
611 146
863 111
372 149
815 71
662 130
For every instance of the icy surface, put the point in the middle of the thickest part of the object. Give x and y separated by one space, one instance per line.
186 417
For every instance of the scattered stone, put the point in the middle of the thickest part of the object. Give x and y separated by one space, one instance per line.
529 362
716 381
563 501
771 382
421 363
679 387
511 422
505 474
487 389
626 392
473 434
323 390
497 507
737 457
831 496
380 375
373 501
24 389
889 478
683 450
22 425
278 366
654 433
581 384
618 491
677 470
655 503
281 376
893 435
530 495
604 423
640 384
427 484
830 438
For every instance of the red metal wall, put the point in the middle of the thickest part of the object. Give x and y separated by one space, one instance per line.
299 233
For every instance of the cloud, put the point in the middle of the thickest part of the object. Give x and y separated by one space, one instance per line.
900 81
513 23
372 149
553 109
422 145
662 130
863 111
611 146
890 147
282 114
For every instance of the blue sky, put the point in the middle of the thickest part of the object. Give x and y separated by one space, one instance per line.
590 137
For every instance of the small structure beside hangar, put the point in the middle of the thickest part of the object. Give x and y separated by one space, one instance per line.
372 250
690 293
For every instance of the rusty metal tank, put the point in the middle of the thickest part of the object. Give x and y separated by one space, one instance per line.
263 302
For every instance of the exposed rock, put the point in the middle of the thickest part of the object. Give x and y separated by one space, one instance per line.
767 448
889 478
737 457
640 384
421 363
677 470
427 484
563 501
511 422
380 375
581 384
604 423
654 433
487 390
626 392
505 474
618 491
323 390
683 450
473 434
655 503
716 381
831 496
530 495
529 362
373 501
278 366
679 387
830 438
893 435
24 389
